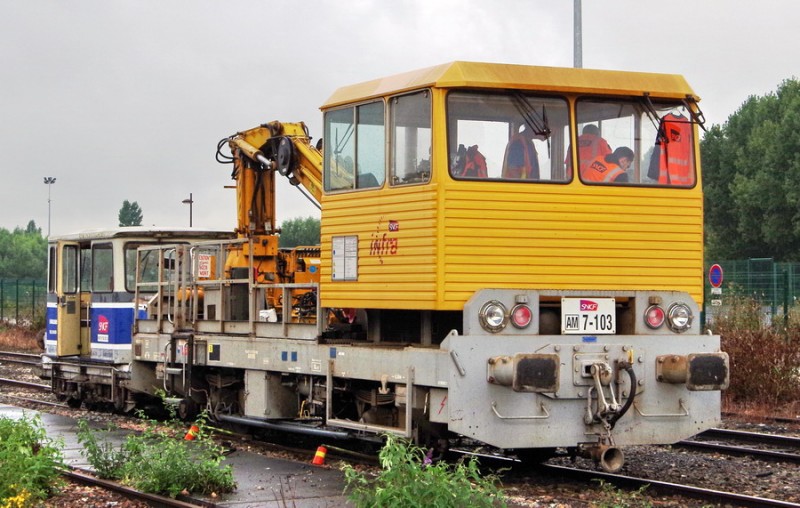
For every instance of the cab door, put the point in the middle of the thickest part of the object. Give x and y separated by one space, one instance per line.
68 292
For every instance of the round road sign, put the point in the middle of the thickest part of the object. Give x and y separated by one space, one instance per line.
715 275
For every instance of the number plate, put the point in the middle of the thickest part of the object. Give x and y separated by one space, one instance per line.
588 315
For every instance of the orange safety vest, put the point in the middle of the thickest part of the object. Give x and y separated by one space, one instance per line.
530 167
590 147
598 170
474 164
673 152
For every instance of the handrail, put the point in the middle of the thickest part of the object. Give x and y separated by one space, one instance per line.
664 415
540 417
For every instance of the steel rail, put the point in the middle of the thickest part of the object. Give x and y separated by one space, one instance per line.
34 386
741 451
17 354
751 437
20 358
36 401
152 499
673 488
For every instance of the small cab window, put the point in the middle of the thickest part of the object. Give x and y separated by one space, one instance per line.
510 136
148 267
355 141
635 142
411 138
51 269
69 269
102 268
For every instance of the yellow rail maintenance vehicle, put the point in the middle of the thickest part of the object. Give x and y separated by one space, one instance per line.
511 254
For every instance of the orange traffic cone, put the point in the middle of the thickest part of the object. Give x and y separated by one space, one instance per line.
193 430
319 457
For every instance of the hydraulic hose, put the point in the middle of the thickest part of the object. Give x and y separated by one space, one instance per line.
628 403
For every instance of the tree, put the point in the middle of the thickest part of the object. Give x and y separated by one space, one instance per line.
752 179
23 253
130 214
299 231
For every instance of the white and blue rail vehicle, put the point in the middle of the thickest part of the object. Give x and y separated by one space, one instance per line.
92 301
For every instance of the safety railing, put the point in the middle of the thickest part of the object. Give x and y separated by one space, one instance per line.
188 287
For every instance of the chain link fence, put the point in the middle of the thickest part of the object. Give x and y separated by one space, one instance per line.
23 301
774 285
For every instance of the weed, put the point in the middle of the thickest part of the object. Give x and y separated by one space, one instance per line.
764 359
31 462
160 462
612 497
19 338
409 479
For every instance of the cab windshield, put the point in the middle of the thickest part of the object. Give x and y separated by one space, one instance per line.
512 136
634 142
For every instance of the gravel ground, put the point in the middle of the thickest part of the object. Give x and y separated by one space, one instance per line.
709 470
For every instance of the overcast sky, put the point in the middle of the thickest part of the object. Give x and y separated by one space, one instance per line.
128 99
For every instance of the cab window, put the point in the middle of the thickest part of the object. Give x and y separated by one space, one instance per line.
510 136
102 268
635 142
411 138
52 262
355 140
69 269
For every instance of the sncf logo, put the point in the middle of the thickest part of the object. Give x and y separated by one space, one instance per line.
675 135
588 305
599 167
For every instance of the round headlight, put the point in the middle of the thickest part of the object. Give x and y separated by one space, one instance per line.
680 317
654 316
521 316
493 317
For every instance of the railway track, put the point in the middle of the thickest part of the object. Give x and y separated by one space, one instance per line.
20 358
710 441
24 384
127 492
705 494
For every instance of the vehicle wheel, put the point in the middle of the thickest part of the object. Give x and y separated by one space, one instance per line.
188 409
74 403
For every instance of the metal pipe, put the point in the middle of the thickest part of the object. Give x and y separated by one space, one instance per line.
296 429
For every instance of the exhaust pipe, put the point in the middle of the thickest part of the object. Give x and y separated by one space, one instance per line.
610 458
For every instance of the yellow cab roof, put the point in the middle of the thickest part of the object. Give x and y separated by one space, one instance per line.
521 77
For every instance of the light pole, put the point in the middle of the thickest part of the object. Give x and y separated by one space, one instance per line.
189 202
49 181
577 34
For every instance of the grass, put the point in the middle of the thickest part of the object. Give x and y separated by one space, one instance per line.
410 479
31 462
159 460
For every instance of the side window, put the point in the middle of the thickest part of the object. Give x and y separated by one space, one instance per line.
635 142
52 263
130 266
355 141
102 268
340 149
411 138
148 267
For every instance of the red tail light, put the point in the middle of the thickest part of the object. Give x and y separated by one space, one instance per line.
521 316
654 316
